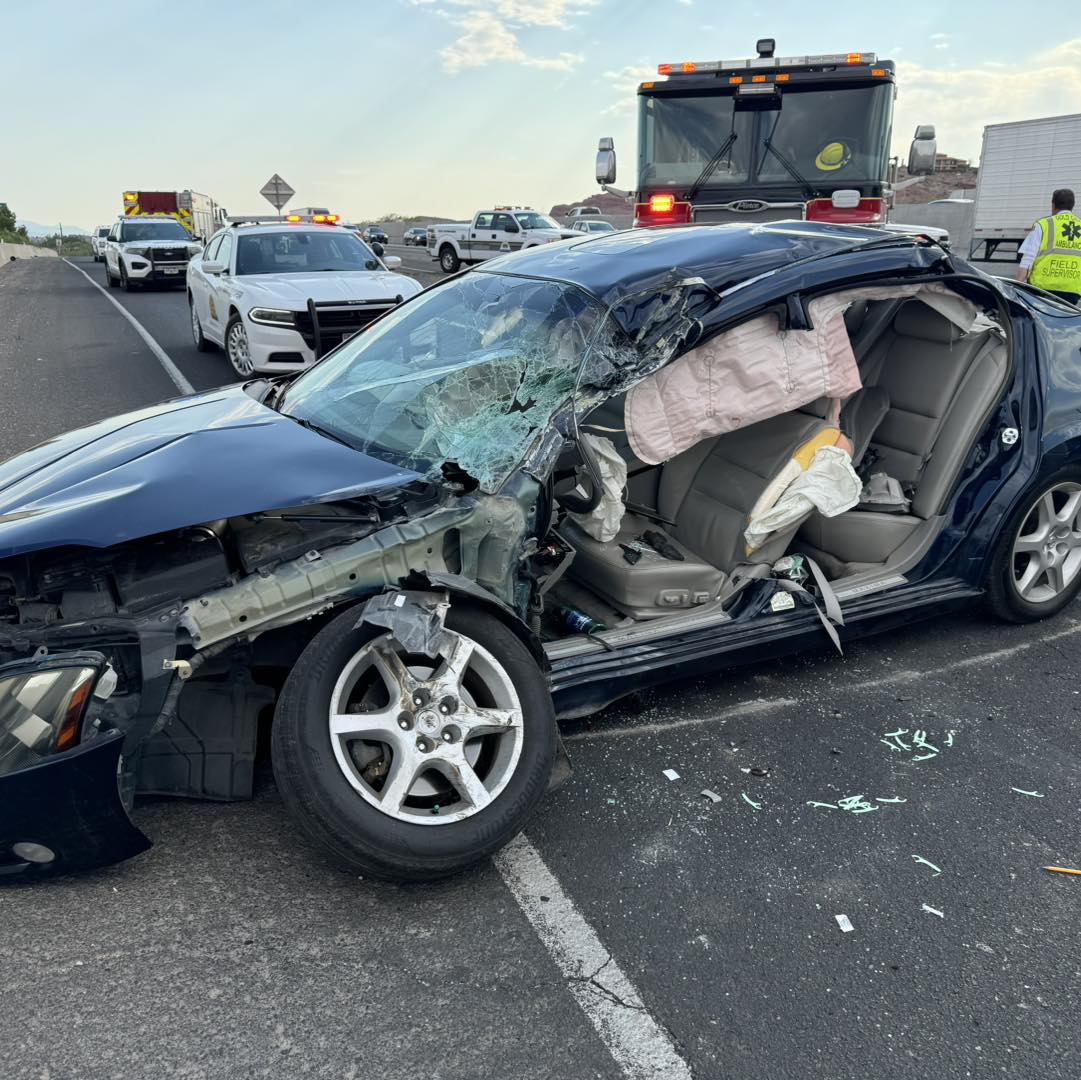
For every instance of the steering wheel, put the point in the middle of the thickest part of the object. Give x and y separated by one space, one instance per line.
584 504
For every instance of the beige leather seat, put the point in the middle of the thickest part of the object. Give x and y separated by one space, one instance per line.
708 492
939 383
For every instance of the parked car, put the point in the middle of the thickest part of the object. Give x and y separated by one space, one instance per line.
417 237
278 297
373 234
583 211
425 549
587 225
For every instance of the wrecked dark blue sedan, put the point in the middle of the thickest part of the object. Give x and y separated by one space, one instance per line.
569 474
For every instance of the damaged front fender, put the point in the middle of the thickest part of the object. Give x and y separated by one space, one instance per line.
66 813
60 802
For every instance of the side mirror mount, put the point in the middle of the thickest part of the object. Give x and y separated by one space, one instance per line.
213 268
392 262
921 154
606 161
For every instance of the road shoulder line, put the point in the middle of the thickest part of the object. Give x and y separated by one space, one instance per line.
163 358
640 1046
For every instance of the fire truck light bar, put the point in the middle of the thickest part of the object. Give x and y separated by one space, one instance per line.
709 66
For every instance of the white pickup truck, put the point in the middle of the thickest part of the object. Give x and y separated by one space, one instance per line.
491 233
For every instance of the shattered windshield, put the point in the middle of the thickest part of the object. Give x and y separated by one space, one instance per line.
465 374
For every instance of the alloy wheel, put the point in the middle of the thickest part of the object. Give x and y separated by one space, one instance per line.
426 739
1047 548
238 350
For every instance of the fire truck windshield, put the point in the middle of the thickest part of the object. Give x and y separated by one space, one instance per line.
831 136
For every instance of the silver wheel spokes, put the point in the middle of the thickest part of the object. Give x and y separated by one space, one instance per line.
1047 549
196 329
239 353
428 740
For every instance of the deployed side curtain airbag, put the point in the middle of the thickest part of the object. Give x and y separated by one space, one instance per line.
756 370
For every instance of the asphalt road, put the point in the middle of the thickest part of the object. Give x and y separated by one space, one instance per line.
231 950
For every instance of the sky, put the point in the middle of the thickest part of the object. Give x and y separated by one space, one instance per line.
441 107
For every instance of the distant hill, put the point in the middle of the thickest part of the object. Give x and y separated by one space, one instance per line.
35 228
608 205
939 185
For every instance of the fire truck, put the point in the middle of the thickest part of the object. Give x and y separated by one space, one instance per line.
199 214
767 139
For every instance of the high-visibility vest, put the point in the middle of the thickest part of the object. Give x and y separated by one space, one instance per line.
1058 265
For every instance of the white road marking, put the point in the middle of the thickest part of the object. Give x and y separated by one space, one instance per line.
640 1046
162 356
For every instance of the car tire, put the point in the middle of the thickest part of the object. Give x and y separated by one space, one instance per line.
339 811
201 342
237 348
1036 567
449 262
125 282
109 279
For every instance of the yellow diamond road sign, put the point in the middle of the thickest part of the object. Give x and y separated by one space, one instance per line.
276 192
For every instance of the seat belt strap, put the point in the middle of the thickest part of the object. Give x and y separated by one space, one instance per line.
831 617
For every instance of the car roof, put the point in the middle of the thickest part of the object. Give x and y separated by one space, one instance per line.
613 265
285 226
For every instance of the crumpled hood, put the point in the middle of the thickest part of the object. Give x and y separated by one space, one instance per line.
297 289
181 463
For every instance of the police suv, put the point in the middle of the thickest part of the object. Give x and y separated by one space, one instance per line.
144 249
277 296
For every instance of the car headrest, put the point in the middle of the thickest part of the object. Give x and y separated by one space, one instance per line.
855 314
915 319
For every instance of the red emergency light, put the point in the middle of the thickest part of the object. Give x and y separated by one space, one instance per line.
662 209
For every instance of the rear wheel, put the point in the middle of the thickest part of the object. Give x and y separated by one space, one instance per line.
448 259
109 279
237 348
1036 570
408 765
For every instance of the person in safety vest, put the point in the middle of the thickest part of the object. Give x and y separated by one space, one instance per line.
1051 253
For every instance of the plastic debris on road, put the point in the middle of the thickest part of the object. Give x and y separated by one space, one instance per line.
711 795
926 862
918 741
750 802
1030 794
844 923
670 774
933 911
1063 870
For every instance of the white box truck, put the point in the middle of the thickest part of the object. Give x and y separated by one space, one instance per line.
1020 165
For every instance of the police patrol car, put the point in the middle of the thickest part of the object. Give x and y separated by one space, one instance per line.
278 295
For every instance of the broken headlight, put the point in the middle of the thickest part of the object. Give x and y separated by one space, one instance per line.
42 708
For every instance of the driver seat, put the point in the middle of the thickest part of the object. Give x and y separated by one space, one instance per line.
708 492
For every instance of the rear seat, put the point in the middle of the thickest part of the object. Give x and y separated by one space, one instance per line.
708 491
939 383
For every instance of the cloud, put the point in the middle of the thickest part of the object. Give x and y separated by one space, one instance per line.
939 36
625 84
959 102
488 31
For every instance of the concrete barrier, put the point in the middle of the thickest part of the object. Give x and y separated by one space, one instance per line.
24 251
955 218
